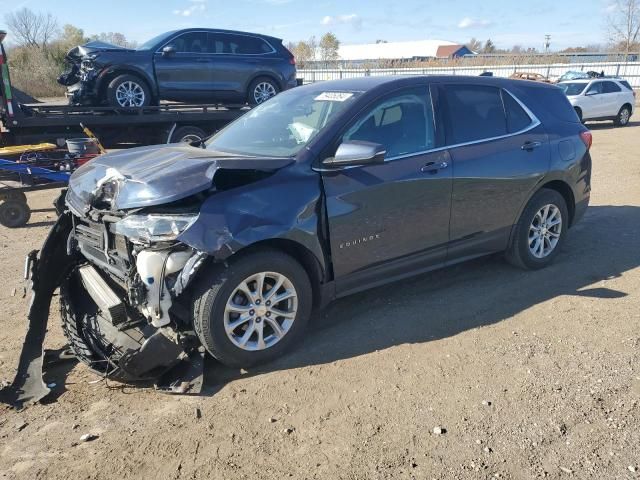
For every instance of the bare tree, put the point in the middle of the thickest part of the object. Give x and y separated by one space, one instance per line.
624 24
31 29
474 45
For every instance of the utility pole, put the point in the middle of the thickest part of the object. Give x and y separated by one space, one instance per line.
547 43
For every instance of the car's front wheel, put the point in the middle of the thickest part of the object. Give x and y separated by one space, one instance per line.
540 231
128 91
252 310
622 119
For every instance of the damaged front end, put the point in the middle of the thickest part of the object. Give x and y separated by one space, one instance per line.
126 253
83 66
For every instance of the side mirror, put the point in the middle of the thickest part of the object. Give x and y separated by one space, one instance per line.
591 92
355 153
168 51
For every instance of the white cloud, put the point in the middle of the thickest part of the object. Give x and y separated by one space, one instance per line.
195 7
351 19
468 22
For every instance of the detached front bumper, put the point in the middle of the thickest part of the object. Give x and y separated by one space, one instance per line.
131 351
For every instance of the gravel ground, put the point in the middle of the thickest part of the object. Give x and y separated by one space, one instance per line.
477 371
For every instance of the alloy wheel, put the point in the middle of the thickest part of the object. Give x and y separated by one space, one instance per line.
624 116
260 311
130 94
545 231
264 91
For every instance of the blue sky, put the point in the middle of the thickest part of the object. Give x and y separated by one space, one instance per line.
569 22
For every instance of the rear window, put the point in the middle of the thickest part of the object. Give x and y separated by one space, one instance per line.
475 113
517 118
626 84
553 102
572 88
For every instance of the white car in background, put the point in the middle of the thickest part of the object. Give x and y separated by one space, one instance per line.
601 99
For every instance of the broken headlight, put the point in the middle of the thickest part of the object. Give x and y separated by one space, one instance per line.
148 228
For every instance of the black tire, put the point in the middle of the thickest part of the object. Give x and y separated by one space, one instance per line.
218 284
622 119
518 253
188 134
89 334
112 90
251 93
579 113
14 213
10 195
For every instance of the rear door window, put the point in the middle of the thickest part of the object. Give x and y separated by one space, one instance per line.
475 112
610 87
238 44
517 118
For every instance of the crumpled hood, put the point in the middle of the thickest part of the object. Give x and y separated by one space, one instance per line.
146 176
95 47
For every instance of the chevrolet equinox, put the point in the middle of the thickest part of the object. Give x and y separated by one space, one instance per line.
319 192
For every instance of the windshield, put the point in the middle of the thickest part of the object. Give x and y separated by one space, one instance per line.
283 125
570 89
149 44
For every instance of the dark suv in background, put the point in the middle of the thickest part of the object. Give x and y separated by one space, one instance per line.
192 65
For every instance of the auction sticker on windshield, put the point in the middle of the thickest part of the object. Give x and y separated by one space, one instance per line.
334 96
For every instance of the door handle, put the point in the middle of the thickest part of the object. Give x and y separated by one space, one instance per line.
433 167
530 146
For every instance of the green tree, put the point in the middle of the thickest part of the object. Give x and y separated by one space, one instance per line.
329 45
489 47
304 51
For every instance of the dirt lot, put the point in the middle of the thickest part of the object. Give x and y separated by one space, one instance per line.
530 374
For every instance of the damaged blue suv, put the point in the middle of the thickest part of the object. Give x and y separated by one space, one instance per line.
320 192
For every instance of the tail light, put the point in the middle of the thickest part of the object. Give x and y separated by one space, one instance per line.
292 60
587 138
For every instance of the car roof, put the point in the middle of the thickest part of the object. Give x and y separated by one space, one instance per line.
370 83
589 80
221 30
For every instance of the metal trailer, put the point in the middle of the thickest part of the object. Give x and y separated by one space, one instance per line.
15 180
166 123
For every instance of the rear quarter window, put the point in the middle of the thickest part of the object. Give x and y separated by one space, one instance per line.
626 84
544 101
517 118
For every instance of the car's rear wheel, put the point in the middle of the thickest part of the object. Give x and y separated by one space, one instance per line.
622 119
261 90
128 91
253 310
540 231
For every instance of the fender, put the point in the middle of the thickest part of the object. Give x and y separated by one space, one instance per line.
123 69
235 219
